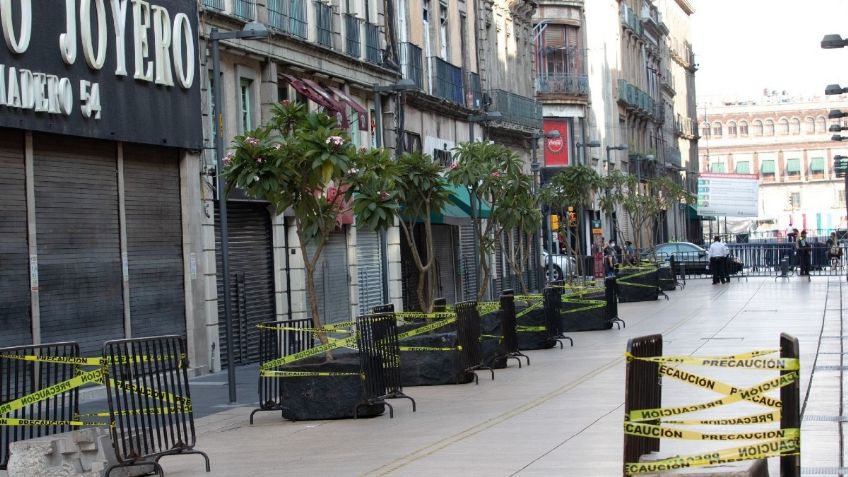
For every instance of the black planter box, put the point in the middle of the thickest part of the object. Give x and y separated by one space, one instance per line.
668 281
585 312
429 368
638 284
325 397
529 340
491 340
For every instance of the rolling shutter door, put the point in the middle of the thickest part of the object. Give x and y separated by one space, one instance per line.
14 273
443 249
251 278
154 240
79 252
409 274
369 259
467 268
331 280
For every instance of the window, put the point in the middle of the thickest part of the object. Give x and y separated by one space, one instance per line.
782 127
769 128
743 167
795 200
793 167
443 31
821 125
767 167
839 197
717 129
246 105
817 165
731 129
743 128
758 128
706 128
809 125
795 126
717 167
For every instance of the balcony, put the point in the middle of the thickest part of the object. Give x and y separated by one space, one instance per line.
244 9
673 157
353 44
659 112
564 84
516 109
288 16
324 24
446 81
685 127
631 20
412 64
622 91
372 44
216 4
475 91
667 82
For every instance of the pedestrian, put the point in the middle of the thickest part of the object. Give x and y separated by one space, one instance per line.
616 250
804 248
834 252
718 261
630 252
609 262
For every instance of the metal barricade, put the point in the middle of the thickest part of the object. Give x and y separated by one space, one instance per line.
149 401
379 358
440 305
790 398
509 325
276 340
611 297
642 390
19 378
468 336
553 304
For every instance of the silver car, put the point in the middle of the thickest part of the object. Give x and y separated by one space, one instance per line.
563 265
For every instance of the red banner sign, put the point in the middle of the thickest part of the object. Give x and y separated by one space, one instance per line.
556 149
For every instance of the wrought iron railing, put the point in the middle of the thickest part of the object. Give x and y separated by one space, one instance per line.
446 81
372 44
475 92
324 24
631 19
516 109
244 9
561 83
412 63
353 44
288 16
216 4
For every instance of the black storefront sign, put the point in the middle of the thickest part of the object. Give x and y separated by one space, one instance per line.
124 70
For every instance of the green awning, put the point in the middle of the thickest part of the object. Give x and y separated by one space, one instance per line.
450 214
817 164
717 167
693 212
460 197
793 166
767 167
743 167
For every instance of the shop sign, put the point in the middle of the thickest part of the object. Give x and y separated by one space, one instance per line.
109 69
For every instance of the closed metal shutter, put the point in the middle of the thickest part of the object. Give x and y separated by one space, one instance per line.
79 251
468 273
443 248
369 259
331 280
251 278
409 276
14 268
154 240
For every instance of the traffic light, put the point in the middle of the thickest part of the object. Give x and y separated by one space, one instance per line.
840 165
572 219
554 223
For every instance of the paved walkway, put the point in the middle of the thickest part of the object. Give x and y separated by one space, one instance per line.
563 414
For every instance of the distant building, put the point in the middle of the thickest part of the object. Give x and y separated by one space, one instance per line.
786 141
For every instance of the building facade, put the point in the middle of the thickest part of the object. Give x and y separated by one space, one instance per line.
786 141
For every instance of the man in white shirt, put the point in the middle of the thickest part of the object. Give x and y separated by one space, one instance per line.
718 261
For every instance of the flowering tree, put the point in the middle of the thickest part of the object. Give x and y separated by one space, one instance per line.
521 219
491 173
303 162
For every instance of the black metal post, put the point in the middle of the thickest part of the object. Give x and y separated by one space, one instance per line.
222 208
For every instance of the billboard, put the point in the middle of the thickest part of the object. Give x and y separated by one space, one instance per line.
119 70
557 149
733 195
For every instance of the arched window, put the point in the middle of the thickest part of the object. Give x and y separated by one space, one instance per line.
795 126
706 129
717 129
758 127
731 129
821 125
809 125
768 129
743 128
782 127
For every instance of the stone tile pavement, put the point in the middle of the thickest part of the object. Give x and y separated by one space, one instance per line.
563 414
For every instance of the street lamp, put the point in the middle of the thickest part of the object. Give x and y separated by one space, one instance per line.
401 86
251 31
588 145
838 137
482 118
836 114
833 41
833 89
534 167
621 147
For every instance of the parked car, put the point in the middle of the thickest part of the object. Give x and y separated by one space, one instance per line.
563 265
694 259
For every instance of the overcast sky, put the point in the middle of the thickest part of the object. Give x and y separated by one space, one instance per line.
744 46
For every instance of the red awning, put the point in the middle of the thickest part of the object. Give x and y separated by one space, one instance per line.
316 94
361 112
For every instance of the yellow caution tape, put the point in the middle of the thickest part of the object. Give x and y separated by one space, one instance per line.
649 430
343 327
151 393
308 353
46 422
429 348
587 305
54 390
530 329
304 374
745 394
427 328
781 364
713 385
488 307
429 316
83 361
766 418
760 450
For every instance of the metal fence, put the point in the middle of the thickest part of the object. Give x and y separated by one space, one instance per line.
288 16
509 325
379 358
19 378
553 305
642 390
468 336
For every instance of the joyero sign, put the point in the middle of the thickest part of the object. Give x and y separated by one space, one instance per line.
114 69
